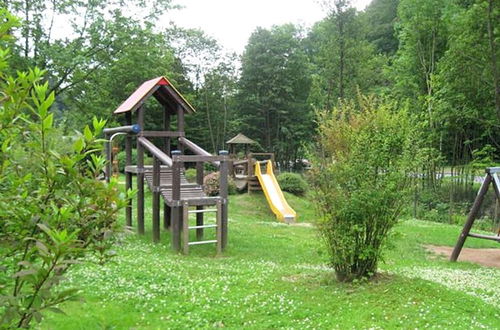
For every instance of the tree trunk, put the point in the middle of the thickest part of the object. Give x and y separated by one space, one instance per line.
494 67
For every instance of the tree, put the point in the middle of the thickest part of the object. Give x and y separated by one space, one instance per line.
344 61
380 17
273 91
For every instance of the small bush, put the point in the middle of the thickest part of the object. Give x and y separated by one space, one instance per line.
211 185
190 175
292 183
361 182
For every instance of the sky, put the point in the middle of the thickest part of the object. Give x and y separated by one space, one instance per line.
231 22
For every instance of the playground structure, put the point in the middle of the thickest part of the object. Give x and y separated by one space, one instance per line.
492 177
247 173
165 178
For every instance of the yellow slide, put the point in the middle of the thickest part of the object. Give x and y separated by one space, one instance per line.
274 195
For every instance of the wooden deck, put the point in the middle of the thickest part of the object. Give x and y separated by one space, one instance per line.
191 193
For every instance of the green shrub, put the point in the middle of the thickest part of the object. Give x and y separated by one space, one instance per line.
292 183
211 185
190 175
53 209
361 182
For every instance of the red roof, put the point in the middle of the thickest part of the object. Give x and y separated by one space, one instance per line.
161 89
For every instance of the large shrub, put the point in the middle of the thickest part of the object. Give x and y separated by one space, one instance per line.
292 183
211 185
53 209
361 177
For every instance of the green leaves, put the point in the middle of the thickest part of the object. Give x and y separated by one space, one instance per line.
361 180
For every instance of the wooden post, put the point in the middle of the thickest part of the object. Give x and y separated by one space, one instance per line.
180 125
156 200
140 176
219 227
128 175
470 218
166 127
166 216
176 196
223 186
199 216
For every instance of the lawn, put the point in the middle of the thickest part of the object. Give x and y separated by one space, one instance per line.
276 276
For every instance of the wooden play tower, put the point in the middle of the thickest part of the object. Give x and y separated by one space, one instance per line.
165 178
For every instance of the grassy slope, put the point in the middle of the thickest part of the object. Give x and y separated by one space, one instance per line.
274 275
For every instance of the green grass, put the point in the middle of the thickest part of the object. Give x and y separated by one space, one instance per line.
275 276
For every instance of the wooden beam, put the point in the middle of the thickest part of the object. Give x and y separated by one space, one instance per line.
156 200
471 218
140 177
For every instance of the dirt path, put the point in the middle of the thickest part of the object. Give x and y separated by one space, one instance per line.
485 257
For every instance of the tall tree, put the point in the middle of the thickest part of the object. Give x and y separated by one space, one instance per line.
344 60
273 91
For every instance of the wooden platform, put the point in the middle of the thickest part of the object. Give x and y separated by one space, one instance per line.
191 193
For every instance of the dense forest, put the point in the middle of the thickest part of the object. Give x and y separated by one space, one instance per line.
435 58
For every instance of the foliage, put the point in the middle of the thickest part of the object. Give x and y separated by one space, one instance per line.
211 184
360 179
53 208
273 91
292 183
190 174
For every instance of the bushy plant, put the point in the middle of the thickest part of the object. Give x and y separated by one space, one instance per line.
292 183
360 180
211 185
53 209
190 174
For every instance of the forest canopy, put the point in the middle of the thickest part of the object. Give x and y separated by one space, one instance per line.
438 57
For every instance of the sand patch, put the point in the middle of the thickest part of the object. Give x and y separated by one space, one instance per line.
485 257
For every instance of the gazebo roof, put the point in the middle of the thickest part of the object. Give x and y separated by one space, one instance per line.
162 90
241 139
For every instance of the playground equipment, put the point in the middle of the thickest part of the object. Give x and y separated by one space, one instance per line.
247 174
273 193
165 178
490 178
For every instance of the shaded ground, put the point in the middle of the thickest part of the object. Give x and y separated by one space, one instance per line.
485 257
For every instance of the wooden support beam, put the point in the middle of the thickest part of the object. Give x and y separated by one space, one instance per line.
166 127
199 216
219 233
161 134
176 196
166 216
180 124
128 176
223 187
156 200
140 177
471 217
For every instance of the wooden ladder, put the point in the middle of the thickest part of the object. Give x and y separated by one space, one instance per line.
186 227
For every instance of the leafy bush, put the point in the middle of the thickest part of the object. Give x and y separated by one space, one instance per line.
361 181
211 185
190 175
292 183
53 209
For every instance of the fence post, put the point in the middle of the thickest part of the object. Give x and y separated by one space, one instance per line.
176 196
223 186
156 199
